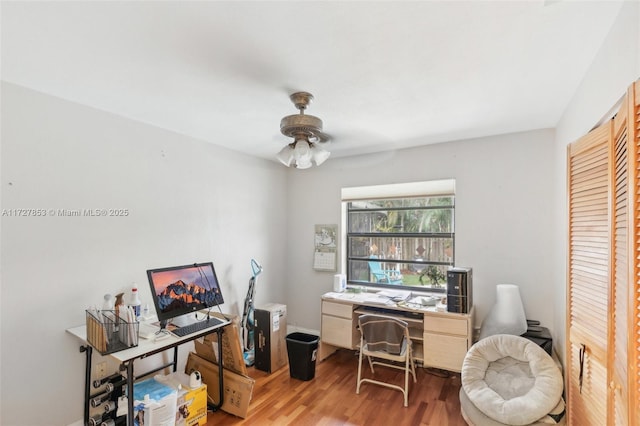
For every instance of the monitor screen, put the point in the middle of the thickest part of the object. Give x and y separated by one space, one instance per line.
179 290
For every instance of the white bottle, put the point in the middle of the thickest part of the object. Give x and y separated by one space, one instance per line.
145 311
134 301
107 304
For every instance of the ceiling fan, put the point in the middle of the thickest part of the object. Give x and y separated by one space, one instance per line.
306 130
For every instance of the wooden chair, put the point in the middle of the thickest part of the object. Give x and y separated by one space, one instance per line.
385 341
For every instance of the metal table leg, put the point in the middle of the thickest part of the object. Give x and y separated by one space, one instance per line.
130 380
216 407
88 350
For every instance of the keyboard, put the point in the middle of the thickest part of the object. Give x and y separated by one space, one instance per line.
196 327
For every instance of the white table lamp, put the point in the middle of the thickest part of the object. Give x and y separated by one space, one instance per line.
507 315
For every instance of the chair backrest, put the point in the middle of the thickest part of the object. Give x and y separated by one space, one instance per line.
375 265
381 333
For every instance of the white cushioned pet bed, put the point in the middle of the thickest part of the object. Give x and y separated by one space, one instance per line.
510 380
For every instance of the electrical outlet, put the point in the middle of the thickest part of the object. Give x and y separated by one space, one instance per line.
101 370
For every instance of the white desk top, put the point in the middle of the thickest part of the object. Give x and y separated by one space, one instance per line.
411 304
148 346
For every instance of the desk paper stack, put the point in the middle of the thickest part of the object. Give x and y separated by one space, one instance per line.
377 300
395 295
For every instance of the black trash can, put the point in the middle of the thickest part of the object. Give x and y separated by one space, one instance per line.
302 349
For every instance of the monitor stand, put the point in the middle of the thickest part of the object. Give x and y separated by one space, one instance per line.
184 320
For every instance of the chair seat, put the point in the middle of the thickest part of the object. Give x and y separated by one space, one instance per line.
386 355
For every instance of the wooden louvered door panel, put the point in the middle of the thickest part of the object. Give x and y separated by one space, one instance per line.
634 283
603 293
589 186
619 291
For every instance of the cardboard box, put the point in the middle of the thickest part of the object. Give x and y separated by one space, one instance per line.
191 406
270 337
237 389
154 403
232 352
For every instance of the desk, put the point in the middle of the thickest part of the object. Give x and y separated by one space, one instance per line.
440 339
145 348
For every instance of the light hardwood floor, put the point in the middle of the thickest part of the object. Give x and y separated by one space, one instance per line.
330 398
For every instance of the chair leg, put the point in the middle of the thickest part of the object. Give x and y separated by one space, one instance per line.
359 373
413 369
371 365
406 381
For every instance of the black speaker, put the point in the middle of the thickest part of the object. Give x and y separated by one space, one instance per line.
541 336
459 290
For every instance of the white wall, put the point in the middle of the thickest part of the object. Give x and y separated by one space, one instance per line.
184 197
188 201
615 67
503 217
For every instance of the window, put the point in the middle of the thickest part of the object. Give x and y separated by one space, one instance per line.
400 235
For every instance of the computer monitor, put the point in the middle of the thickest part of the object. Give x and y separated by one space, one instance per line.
181 290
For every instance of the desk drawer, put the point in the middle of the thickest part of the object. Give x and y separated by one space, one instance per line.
337 309
446 352
338 331
446 325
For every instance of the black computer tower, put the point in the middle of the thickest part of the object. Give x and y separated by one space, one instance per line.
459 290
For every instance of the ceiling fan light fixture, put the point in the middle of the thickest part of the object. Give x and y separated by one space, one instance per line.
302 150
302 154
307 133
319 155
286 155
303 164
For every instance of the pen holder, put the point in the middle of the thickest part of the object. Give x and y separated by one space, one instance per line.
107 332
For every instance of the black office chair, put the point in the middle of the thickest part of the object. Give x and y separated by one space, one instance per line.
385 341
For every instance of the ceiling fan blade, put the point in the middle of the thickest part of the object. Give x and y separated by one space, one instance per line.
320 137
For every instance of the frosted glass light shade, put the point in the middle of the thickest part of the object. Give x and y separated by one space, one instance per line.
302 150
285 155
319 155
507 315
302 154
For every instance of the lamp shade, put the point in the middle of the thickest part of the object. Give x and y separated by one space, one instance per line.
302 154
285 156
302 150
303 163
507 315
319 155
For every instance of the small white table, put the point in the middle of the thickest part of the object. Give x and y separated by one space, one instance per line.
145 348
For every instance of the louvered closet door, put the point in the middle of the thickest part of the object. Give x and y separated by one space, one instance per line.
588 277
634 290
619 293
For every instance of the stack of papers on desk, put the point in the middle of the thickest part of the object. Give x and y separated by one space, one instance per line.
396 295
425 300
147 330
377 300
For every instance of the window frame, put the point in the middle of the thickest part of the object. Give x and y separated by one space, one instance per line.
426 189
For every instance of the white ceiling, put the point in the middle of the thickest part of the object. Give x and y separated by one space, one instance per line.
385 75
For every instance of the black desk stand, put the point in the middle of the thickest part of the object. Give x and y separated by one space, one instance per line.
126 364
